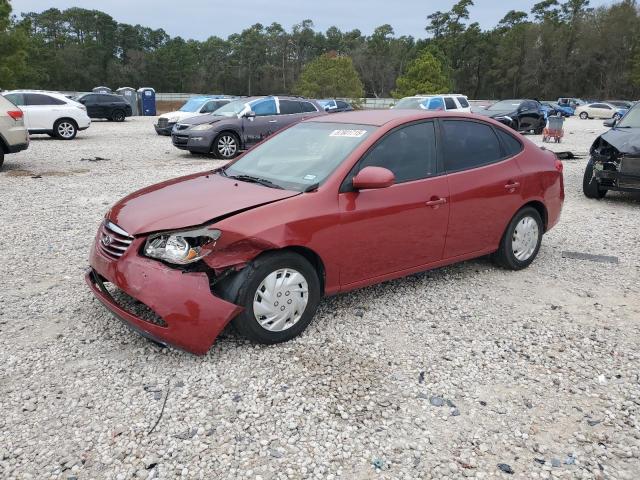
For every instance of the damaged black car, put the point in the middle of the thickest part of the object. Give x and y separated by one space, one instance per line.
615 158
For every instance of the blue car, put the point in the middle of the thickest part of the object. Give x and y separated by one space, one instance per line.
551 109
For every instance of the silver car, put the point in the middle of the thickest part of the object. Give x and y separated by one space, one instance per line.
13 133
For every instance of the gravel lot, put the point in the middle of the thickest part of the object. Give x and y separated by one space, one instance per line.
445 374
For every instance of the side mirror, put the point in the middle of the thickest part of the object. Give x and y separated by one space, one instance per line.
372 178
249 114
610 123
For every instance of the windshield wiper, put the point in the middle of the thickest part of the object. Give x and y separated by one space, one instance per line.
252 179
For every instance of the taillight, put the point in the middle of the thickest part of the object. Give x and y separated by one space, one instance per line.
15 114
559 165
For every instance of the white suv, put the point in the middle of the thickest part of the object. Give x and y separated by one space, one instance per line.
444 102
50 112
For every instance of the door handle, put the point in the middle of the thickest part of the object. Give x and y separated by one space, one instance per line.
273 121
436 201
511 186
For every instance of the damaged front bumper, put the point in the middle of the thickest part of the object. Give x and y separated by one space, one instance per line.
190 315
618 175
616 160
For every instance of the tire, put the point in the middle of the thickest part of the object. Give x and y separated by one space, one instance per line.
118 116
590 186
1 157
65 129
584 115
521 241
226 146
249 290
616 116
538 131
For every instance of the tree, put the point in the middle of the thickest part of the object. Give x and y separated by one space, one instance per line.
14 44
330 77
424 75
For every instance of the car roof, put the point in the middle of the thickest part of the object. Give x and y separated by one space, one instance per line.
379 118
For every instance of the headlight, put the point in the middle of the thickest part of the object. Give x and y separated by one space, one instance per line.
172 119
181 248
204 126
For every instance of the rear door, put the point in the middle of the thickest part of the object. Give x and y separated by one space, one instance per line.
44 110
400 227
484 185
290 112
601 110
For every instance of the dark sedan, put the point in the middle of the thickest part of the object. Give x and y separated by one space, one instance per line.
520 115
241 124
105 105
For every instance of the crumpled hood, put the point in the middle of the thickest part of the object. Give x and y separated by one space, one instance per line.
625 140
200 119
496 113
178 115
190 201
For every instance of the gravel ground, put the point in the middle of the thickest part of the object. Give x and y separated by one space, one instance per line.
465 371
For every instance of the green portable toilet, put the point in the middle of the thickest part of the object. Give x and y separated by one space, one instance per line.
131 97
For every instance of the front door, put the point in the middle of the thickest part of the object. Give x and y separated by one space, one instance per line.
484 185
265 122
400 227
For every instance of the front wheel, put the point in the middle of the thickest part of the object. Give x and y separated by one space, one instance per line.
590 186
521 240
118 116
280 293
584 115
65 129
226 146
1 157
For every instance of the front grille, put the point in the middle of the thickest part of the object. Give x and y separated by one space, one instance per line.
180 139
113 240
162 122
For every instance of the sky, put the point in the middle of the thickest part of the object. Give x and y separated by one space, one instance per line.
200 19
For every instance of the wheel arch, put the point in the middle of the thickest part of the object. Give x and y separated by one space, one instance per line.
227 129
540 208
71 119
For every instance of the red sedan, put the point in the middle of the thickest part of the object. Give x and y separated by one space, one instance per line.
326 206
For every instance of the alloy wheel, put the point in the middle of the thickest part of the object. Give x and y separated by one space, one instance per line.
525 238
227 146
66 129
281 300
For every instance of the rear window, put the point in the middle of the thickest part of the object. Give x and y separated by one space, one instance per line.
308 107
463 102
450 103
289 107
511 145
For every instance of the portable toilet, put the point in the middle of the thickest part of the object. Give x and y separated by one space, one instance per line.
131 97
101 90
147 101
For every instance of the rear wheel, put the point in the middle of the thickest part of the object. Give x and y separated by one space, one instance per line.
118 116
280 292
226 146
1 157
521 240
590 186
65 129
584 115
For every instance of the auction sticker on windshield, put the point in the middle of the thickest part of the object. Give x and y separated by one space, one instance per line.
348 133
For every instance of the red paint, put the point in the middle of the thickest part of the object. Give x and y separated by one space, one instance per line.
361 237
373 177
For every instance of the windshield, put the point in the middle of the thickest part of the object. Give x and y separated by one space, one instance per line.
631 119
192 105
410 103
301 156
232 109
510 105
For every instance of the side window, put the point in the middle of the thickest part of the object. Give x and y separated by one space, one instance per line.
308 107
600 105
342 104
16 98
409 152
264 107
40 99
463 102
450 103
468 145
209 107
436 103
288 107
106 98
511 145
